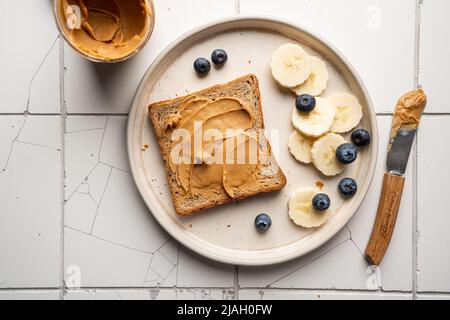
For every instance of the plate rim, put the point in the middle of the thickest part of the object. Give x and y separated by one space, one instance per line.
182 237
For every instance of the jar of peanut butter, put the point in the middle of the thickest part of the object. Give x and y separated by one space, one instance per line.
105 31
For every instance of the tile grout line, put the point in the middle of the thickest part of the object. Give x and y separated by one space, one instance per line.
283 290
335 290
417 27
351 291
414 230
63 164
237 7
29 114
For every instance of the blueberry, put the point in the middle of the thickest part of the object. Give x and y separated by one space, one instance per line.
202 66
305 103
361 138
348 187
346 153
219 57
321 202
263 222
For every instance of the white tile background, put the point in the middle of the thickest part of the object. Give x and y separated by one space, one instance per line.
67 199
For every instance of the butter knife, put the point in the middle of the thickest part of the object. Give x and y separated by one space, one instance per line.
405 123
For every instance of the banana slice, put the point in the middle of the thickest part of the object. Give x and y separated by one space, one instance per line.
300 147
317 81
317 122
302 212
290 65
348 112
323 154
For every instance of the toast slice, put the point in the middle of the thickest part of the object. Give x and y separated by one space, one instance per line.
269 177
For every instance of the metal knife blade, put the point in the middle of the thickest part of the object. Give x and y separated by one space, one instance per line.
400 148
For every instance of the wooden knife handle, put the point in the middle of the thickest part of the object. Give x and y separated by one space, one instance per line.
391 195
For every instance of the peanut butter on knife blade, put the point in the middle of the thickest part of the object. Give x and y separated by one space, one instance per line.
409 111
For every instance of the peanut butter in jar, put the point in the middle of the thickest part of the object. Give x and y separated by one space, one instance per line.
105 30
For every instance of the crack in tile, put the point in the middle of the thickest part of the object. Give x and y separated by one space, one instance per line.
98 162
86 182
11 147
16 140
103 138
85 130
101 199
101 148
90 129
162 246
36 73
308 263
162 278
98 156
355 244
167 256
155 271
108 241
109 165
78 187
38 145
93 200
148 269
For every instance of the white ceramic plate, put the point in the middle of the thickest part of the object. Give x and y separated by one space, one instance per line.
227 233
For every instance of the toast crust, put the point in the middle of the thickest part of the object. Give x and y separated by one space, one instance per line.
159 113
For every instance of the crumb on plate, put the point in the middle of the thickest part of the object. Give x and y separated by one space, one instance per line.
320 184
